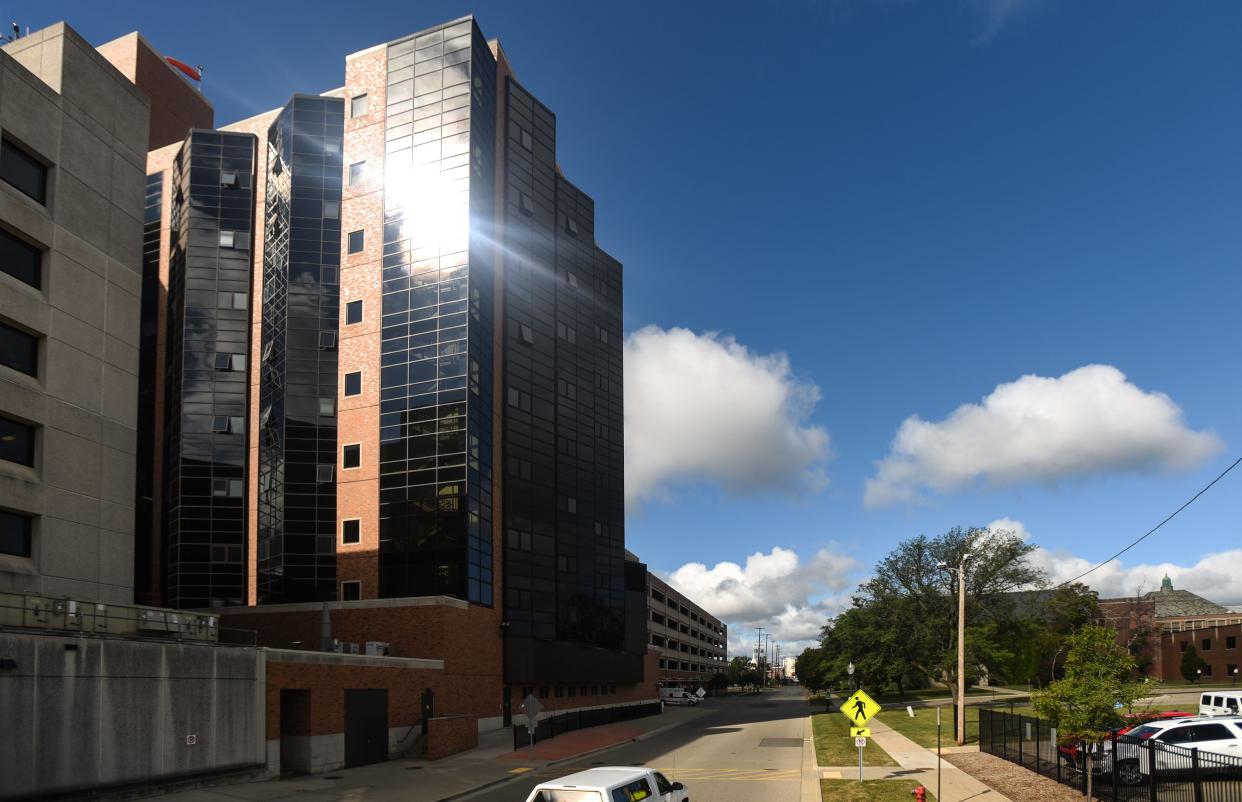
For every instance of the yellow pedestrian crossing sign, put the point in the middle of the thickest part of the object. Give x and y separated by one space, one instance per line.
860 732
859 708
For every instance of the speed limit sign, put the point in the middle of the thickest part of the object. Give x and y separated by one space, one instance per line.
860 742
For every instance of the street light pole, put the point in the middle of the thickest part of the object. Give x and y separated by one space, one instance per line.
960 570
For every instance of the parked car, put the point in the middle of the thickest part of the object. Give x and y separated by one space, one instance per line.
611 784
1127 765
1220 703
1220 735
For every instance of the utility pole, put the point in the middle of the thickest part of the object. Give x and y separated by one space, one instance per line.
960 570
759 652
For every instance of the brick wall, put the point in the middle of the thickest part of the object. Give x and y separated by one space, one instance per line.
448 736
1220 658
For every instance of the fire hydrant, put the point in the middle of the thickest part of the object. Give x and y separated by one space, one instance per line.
919 794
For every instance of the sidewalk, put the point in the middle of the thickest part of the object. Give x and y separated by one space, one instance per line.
916 763
418 780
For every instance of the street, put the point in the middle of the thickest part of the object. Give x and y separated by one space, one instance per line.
745 748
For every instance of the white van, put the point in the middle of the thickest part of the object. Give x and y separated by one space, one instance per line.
611 784
1220 703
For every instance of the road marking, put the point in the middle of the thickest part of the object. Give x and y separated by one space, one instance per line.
520 770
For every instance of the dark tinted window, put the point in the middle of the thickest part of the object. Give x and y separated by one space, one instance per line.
1177 735
23 171
351 531
358 106
1211 732
353 312
17 442
356 242
353 383
351 591
15 531
19 350
352 456
21 260
357 171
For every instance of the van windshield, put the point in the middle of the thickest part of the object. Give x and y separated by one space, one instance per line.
566 795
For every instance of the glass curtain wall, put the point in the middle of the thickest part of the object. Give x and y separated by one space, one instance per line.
435 501
210 265
296 559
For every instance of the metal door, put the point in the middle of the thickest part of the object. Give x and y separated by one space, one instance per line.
366 726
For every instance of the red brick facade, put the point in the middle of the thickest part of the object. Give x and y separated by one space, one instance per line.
1221 657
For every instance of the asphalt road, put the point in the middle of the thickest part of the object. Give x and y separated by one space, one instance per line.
746 748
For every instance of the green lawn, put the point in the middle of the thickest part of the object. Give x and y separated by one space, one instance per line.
868 790
835 747
922 728
924 693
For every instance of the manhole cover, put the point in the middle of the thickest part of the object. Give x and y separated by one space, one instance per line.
781 742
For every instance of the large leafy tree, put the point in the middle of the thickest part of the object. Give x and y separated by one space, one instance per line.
1036 638
909 607
1098 682
1192 664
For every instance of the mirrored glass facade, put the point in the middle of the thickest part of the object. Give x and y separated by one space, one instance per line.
147 585
210 266
435 504
296 558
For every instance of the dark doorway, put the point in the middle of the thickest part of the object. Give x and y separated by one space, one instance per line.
366 726
295 731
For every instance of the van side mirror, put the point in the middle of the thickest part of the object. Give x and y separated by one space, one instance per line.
677 787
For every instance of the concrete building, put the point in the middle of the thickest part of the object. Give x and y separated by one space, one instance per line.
693 644
74 134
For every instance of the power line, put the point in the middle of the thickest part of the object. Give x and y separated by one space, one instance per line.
1154 528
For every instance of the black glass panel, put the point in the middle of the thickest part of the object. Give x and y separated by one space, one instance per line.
21 260
15 532
17 442
23 171
19 350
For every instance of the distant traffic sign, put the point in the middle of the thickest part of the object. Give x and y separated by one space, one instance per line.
860 732
860 742
859 708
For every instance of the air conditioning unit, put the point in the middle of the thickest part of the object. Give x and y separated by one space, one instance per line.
378 648
349 648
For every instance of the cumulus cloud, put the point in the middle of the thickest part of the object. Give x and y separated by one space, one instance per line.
1216 577
704 407
1091 420
790 599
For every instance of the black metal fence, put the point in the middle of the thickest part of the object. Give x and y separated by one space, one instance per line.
1127 769
560 723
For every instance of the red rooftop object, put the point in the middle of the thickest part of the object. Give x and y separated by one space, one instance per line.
194 73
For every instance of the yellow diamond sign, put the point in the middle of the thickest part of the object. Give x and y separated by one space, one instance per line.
859 708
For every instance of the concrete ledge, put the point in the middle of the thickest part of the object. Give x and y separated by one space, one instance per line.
362 604
334 658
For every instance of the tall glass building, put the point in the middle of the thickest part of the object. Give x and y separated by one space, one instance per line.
208 350
297 444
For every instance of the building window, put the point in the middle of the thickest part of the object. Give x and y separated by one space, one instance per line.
528 204
15 533
571 279
567 333
19 350
23 172
228 239
543 692
526 139
351 531
228 178
567 389
232 300
1231 642
327 340
519 399
351 591
231 362
1207 644
357 172
1184 644
17 442
222 424
1207 670
560 691
327 407
356 241
332 210
571 226
571 505
351 456
353 383
21 260
226 488
358 106
323 473
525 334
353 313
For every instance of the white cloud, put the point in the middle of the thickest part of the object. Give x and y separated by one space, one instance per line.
996 14
704 407
1216 577
789 599
1091 420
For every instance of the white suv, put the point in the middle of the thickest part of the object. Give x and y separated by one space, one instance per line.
1217 734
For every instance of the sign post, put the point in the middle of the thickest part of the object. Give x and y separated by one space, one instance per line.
938 752
859 709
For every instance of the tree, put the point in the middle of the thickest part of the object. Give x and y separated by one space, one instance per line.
737 670
1087 702
910 605
809 667
1192 664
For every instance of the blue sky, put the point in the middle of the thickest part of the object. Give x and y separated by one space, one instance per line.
914 202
